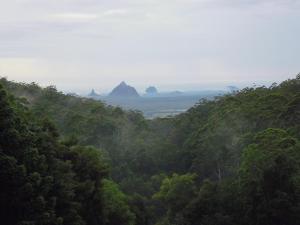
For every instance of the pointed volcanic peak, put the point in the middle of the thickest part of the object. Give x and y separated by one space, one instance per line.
93 94
124 90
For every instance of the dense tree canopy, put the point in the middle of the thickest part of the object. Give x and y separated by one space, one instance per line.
43 181
71 160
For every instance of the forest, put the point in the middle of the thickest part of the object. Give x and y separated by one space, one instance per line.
69 160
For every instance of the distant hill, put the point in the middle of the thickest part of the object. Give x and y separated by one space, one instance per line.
151 90
124 90
233 88
93 94
176 93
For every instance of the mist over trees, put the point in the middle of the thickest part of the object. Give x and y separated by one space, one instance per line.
66 160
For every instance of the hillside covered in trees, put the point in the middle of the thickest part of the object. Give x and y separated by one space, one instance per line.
66 160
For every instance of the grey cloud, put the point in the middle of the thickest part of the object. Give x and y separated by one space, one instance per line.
110 40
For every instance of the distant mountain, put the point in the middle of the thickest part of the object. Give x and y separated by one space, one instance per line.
171 94
176 93
93 94
124 90
151 90
232 88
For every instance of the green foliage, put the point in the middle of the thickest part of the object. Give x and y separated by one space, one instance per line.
270 173
71 160
176 192
213 205
116 210
43 181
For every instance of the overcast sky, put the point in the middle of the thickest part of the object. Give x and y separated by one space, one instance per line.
184 44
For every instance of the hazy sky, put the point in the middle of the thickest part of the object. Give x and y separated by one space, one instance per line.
82 44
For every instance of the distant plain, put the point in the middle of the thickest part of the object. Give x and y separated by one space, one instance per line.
161 105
